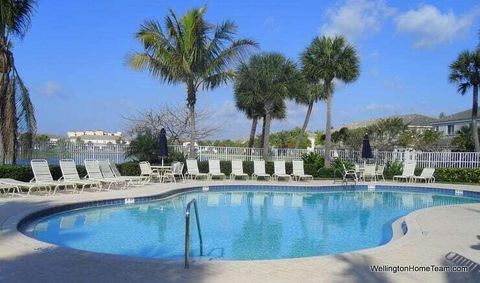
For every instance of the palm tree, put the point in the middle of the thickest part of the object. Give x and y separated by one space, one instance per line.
16 109
465 73
249 99
267 81
325 60
314 93
191 51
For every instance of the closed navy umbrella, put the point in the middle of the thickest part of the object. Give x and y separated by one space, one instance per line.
163 150
366 149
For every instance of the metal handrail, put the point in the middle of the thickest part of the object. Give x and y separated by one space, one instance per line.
187 231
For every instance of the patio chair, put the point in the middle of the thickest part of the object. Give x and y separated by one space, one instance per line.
349 174
408 172
70 173
42 175
426 175
147 171
237 170
192 170
141 180
298 172
25 185
259 170
214 169
369 172
107 172
9 188
379 172
177 170
280 171
94 173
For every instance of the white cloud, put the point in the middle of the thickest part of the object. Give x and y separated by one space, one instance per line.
51 89
429 26
356 18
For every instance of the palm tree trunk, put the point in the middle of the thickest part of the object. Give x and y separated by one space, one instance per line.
328 130
305 124
191 99
262 138
474 118
266 136
253 131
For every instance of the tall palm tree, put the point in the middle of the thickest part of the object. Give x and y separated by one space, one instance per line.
272 79
325 60
465 73
191 51
249 99
16 109
314 93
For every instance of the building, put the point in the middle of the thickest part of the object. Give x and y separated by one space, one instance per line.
98 137
450 124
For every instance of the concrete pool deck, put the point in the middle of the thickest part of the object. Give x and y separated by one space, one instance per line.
440 236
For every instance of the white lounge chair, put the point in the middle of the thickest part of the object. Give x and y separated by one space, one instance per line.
147 171
9 188
136 180
192 170
349 174
369 172
379 172
70 173
107 172
26 185
426 175
279 171
94 173
298 172
42 175
237 170
408 172
177 170
259 170
214 169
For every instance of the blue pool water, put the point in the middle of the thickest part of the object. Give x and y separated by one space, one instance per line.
241 223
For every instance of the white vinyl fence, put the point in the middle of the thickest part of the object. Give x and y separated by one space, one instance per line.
77 151
116 153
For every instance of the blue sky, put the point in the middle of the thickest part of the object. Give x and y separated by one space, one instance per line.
73 58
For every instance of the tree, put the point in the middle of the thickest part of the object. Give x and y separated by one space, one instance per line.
425 140
287 139
463 140
385 133
327 59
249 99
465 73
191 51
314 92
175 120
16 109
272 78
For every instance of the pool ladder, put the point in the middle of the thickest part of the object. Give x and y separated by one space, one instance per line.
187 231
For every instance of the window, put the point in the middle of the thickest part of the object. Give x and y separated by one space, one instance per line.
450 130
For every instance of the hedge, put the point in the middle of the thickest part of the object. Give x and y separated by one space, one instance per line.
450 175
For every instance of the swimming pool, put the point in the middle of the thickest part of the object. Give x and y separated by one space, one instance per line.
243 222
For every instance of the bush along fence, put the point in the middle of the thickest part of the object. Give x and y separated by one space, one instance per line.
450 175
117 153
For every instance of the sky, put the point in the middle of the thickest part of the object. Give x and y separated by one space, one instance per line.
73 59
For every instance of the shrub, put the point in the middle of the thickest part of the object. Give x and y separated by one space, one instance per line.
392 169
457 175
313 159
337 163
129 168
